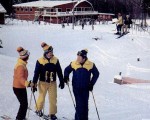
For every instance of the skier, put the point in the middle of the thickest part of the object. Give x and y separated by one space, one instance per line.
82 82
67 19
119 24
127 23
45 70
82 25
20 82
1 44
63 24
93 25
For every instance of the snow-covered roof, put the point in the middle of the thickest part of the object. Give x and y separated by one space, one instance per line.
2 9
43 3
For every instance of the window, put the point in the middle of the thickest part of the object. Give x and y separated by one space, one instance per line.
83 9
30 9
39 9
78 9
88 9
22 9
26 9
17 9
75 9
52 10
48 10
68 9
59 9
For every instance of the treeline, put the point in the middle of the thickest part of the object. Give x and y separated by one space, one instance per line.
136 8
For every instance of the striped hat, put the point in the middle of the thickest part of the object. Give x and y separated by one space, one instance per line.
46 47
23 53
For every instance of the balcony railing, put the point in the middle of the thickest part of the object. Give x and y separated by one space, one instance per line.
70 13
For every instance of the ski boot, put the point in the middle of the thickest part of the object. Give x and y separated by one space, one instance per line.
39 113
52 117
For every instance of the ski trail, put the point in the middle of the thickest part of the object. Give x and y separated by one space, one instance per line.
131 67
105 57
142 44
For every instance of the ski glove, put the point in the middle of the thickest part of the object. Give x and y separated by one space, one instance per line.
66 79
90 87
34 89
29 84
61 85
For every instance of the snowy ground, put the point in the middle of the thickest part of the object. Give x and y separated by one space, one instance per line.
111 56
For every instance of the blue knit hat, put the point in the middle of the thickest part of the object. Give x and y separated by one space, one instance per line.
83 53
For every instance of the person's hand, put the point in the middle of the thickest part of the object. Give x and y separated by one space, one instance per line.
90 87
34 89
66 79
29 84
61 85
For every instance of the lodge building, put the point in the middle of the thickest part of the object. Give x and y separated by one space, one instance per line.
57 11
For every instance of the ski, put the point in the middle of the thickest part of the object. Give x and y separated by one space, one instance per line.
5 117
45 117
122 35
64 118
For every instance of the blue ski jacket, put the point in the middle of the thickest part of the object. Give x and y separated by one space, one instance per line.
83 75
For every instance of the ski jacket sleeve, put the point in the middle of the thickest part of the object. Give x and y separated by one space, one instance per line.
67 71
59 71
95 74
36 72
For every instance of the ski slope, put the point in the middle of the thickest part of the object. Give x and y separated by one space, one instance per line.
111 56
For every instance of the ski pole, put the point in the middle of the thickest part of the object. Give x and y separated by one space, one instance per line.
95 105
72 98
71 95
35 100
29 105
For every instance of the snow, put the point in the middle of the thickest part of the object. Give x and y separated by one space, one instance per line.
118 77
2 9
114 20
111 56
43 3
